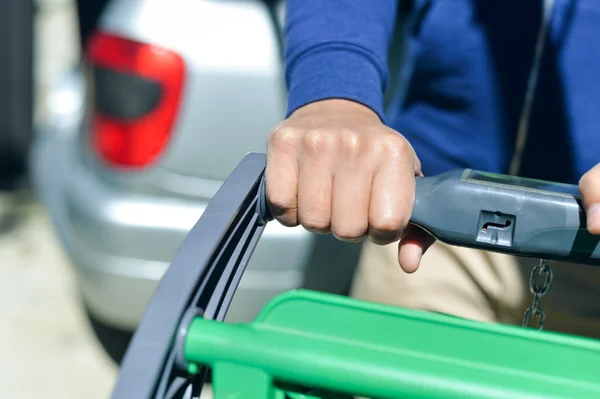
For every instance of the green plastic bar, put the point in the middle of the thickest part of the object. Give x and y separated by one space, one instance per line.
340 344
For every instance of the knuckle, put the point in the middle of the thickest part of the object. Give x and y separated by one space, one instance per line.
316 141
316 224
388 226
351 143
284 211
588 179
283 138
399 147
589 187
395 145
417 166
288 218
281 205
349 232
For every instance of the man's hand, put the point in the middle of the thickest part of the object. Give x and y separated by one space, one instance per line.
589 186
333 166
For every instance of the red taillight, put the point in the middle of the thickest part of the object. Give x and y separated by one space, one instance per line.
126 129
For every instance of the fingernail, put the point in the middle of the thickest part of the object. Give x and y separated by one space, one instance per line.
593 216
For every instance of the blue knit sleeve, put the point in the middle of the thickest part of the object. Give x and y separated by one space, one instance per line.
338 49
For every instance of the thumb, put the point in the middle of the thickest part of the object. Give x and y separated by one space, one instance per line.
589 186
412 247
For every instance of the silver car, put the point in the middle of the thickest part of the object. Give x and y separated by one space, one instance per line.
170 97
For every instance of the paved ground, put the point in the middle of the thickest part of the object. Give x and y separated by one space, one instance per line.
47 349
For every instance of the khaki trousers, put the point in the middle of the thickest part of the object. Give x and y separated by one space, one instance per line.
480 285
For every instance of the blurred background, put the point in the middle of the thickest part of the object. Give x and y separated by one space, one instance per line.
47 346
119 120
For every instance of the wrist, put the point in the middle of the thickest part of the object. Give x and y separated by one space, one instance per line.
336 106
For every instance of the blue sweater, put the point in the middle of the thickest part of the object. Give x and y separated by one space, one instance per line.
470 64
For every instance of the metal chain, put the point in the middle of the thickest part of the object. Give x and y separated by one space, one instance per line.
539 283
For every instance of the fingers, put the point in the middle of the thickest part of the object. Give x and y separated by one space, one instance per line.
392 194
315 182
589 186
281 176
351 193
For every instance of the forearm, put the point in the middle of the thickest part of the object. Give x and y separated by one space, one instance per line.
338 49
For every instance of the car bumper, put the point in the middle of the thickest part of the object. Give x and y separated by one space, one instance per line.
121 242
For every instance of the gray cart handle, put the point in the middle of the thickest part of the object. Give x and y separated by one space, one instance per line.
200 281
464 207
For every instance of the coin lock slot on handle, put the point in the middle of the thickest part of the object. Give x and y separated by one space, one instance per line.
496 228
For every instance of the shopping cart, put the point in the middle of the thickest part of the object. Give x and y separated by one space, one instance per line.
308 344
